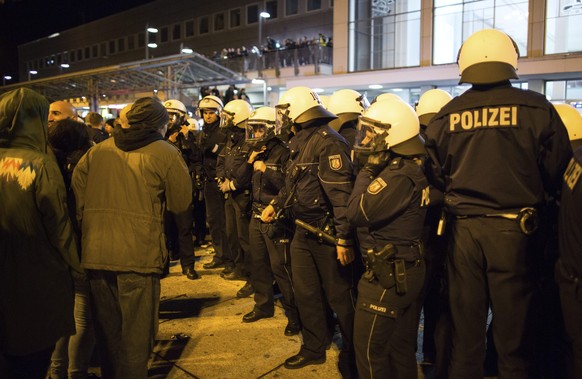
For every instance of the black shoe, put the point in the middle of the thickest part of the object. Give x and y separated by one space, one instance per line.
293 328
215 263
299 361
254 315
234 275
227 270
190 273
246 291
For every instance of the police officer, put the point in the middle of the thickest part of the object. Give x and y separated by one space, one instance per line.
236 189
390 198
347 105
318 183
496 151
269 257
210 143
429 104
568 270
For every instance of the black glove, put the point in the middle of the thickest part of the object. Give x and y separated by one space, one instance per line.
377 162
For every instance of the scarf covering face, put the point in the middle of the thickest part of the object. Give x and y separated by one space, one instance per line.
146 117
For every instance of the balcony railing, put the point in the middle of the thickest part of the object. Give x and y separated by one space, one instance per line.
315 55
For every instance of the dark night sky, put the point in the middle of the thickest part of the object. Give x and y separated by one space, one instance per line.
26 20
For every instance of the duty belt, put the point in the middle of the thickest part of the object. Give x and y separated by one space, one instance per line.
526 218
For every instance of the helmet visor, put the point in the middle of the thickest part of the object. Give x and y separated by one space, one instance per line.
258 130
371 136
282 121
226 119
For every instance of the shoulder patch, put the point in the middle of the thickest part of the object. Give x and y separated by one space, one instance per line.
376 186
335 162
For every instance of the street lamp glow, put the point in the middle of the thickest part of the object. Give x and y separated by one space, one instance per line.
152 30
65 65
7 77
153 45
33 72
258 81
264 14
187 50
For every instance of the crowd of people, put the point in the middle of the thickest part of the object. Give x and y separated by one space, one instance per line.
363 214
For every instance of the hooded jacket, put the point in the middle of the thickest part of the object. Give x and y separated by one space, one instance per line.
123 185
37 243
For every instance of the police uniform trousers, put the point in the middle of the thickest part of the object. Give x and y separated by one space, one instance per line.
270 258
214 201
489 264
570 286
386 326
319 277
237 211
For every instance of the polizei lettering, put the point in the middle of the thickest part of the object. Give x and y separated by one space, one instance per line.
497 117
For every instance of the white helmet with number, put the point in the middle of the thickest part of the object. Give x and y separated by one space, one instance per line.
261 125
300 105
175 106
430 103
572 119
389 125
488 56
210 102
347 101
235 113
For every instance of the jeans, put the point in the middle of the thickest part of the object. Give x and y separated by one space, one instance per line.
72 354
126 321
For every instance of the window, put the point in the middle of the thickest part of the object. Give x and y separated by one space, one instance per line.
455 20
252 14
384 34
563 26
95 51
87 52
565 91
203 27
79 55
111 47
189 26
176 32
291 7
131 42
235 18
121 45
316 4
141 40
164 34
72 56
218 22
103 48
271 7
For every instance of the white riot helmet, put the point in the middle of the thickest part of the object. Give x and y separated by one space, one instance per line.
193 124
386 96
261 125
389 125
210 102
324 101
177 112
235 113
488 56
430 103
300 105
347 104
572 119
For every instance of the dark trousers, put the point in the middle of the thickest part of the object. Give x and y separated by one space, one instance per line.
386 326
30 366
126 309
237 212
271 258
319 277
199 216
571 299
214 200
489 264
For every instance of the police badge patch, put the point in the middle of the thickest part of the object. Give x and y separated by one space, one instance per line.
376 186
335 162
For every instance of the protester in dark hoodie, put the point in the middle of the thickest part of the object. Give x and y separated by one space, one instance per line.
148 177
70 140
37 244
